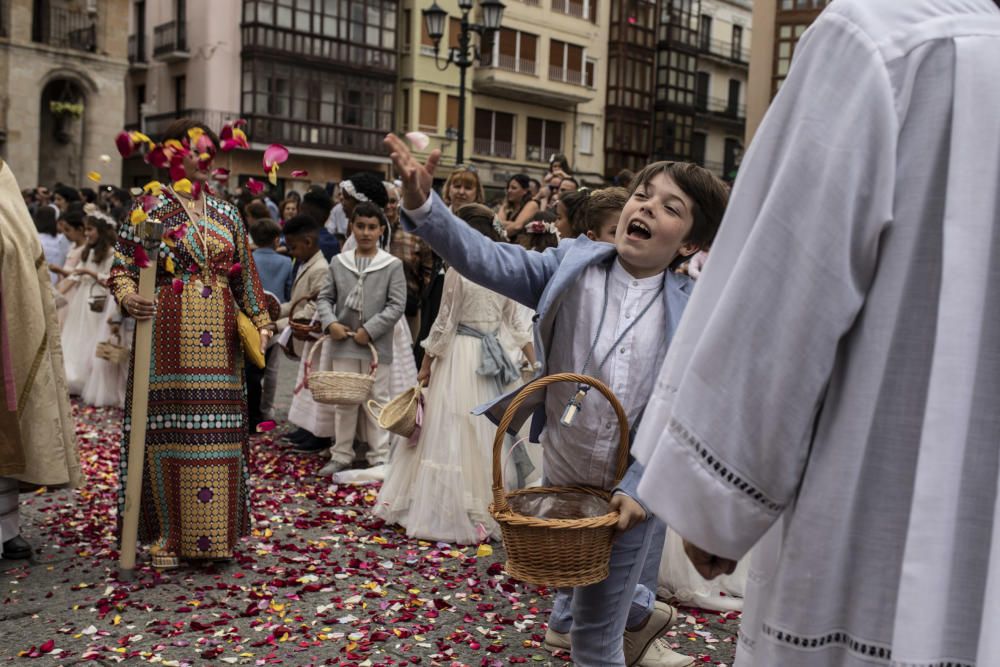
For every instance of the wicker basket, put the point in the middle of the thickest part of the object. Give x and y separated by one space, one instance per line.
303 327
399 415
575 549
112 351
339 387
97 301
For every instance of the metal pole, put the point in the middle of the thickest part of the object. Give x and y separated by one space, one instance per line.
463 64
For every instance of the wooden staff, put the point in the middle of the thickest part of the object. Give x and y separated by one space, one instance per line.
150 231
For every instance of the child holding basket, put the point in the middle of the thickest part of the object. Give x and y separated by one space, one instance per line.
607 311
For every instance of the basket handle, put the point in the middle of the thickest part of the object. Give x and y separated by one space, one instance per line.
310 360
295 304
374 366
621 462
372 406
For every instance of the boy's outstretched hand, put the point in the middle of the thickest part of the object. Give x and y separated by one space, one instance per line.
417 178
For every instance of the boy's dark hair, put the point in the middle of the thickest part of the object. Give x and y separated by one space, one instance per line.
370 185
601 204
367 209
178 130
317 204
576 210
480 218
264 231
257 210
709 194
45 221
67 193
302 225
624 178
89 195
74 215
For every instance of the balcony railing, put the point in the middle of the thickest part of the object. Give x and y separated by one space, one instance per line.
66 28
493 148
169 38
136 49
363 140
567 75
542 154
156 124
260 36
514 64
720 106
724 49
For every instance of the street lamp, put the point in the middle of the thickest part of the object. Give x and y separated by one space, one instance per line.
462 57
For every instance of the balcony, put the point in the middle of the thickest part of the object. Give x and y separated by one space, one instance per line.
137 51
727 51
170 42
719 108
262 38
517 79
65 28
493 148
156 124
367 141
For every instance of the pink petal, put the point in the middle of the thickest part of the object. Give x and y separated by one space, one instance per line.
177 172
178 285
242 122
299 173
266 426
221 174
140 257
255 187
204 144
235 270
419 140
157 157
226 133
47 646
274 154
125 144
149 202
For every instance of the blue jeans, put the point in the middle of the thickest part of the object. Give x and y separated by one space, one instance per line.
597 615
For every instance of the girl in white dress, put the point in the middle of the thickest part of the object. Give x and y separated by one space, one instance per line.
82 326
105 385
71 226
440 489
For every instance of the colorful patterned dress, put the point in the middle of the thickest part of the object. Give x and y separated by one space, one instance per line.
195 502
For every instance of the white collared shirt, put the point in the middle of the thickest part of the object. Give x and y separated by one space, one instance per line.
585 452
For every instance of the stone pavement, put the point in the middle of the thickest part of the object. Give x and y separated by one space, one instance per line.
319 582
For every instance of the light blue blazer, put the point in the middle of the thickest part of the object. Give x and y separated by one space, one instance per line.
539 280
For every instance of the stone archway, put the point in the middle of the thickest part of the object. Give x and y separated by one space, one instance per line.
61 132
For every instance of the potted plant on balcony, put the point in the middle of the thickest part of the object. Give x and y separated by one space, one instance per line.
64 113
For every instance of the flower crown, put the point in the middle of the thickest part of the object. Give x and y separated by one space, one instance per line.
499 228
541 227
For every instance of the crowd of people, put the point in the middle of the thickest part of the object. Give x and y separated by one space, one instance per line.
827 400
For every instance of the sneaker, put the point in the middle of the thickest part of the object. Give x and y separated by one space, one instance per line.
16 548
313 445
555 641
298 435
661 655
638 642
331 468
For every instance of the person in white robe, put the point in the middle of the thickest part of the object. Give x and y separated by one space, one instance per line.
834 386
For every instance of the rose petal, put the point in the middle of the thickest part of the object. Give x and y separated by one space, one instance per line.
124 144
140 257
47 646
105 158
177 173
182 185
235 270
255 187
419 140
266 426
274 154
157 157
299 173
220 174
178 285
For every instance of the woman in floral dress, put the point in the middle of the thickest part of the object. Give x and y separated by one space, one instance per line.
195 502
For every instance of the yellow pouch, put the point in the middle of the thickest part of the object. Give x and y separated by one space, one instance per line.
250 337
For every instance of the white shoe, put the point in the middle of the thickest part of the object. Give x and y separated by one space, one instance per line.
637 642
661 655
331 468
555 641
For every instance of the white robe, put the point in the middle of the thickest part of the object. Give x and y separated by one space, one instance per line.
835 381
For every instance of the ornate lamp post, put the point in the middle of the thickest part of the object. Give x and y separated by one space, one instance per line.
463 57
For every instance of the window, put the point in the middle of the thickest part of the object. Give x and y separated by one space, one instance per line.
544 139
140 101
737 53
705 32
590 73
587 138
731 157
406 28
451 115
515 51
565 62
733 103
454 32
584 9
428 112
494 133
363 23
425 37
180 93
698 140
701 90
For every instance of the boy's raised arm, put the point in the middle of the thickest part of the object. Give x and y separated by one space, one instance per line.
505 268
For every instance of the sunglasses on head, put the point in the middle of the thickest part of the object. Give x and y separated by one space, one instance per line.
467 167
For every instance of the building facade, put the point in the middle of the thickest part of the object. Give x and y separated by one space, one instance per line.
537 90
318 77
780 24
679 89
62 88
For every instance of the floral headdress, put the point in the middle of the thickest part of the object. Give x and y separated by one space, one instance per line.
499 228
541 227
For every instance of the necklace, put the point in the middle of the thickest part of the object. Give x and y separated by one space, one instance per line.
575 404
190 207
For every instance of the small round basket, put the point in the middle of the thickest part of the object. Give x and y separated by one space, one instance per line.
303 327
97 301
339 387
112 351
399 415
557 536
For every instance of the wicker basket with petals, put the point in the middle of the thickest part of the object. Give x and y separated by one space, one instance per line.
571 544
